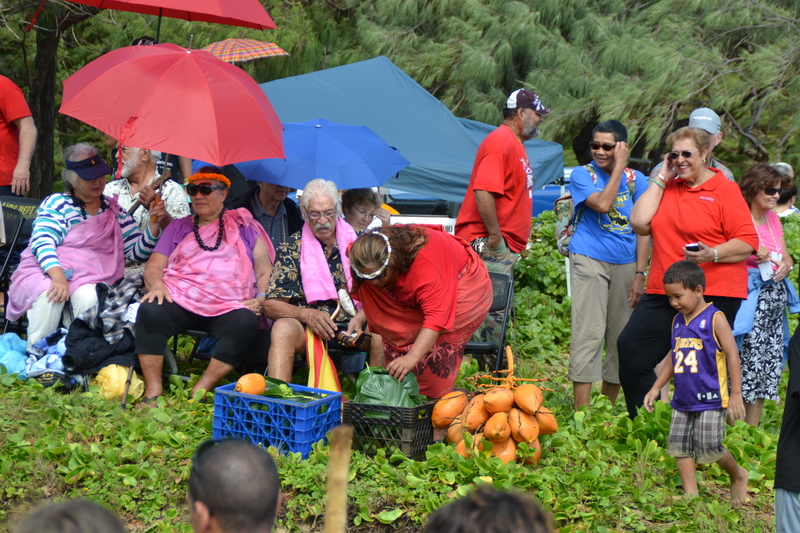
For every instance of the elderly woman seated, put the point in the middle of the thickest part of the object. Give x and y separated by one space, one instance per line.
209 271
80 238
361 207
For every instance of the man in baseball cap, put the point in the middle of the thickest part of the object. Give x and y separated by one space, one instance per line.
706 119
496 213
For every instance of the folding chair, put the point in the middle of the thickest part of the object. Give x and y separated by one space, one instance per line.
503 295
13 221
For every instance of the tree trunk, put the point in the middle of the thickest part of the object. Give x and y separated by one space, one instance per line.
51 23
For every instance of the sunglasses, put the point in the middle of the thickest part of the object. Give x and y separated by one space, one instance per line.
381 272
195 471
594 145
192 189
686 154
772 191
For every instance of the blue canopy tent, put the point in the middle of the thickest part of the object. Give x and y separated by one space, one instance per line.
377 94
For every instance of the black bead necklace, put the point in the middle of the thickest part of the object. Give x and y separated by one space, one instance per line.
200 242
82 205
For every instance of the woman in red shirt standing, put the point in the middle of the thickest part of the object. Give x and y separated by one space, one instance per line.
425 292
695 213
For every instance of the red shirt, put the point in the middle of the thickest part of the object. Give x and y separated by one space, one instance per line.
12 107
502 168
712 213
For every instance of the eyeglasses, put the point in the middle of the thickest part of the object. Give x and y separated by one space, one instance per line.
194 473
192 189
364 213
772 191
594 145
381 272
316 215
686 154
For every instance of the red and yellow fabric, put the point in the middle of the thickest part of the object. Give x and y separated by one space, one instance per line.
234 50
321 371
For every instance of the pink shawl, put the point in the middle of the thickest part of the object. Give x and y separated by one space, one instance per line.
214 283
316 275
93 250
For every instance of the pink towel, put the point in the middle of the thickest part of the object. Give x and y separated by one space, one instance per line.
317 279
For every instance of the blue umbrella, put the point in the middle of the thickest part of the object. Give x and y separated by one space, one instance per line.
352 156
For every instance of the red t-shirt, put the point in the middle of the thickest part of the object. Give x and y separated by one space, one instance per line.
713 213
501 167
12 107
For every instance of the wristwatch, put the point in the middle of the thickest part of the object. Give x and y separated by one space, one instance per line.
643 273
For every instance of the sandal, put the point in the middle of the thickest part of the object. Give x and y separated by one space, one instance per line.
148 402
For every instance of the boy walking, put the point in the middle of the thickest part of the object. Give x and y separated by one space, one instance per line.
703 356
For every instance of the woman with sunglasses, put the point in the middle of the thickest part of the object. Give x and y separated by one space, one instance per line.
761 327
692 212
361 207
208 271
425 292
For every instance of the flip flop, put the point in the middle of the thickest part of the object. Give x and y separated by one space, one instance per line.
148 402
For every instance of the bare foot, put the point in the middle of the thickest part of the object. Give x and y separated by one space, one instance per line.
739 488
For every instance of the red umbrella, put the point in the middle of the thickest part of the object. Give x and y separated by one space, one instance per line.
244 13
179 101
233 50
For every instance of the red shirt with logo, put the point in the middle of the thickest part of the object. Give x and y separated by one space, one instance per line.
712 213
12 107
502 168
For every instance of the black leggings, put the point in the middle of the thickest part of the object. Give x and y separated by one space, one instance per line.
235 331
647 339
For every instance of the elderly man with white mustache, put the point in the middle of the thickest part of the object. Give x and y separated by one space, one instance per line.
138 170
310 269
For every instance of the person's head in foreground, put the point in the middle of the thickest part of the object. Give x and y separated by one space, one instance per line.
208 189
684 284
360 206
487 510
605 137
321 206
71 516
233 488
689 149
85 173
379 257
523 112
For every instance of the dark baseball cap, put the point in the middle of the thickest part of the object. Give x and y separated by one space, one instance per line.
526 98
89 169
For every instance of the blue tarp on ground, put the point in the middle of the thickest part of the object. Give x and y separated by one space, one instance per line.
377 94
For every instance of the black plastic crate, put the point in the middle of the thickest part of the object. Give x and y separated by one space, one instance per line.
407 429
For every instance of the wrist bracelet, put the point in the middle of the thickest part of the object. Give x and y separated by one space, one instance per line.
657 182
642 272
716 255
261 295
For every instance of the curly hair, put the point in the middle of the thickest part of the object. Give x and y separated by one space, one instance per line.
759 178
369 249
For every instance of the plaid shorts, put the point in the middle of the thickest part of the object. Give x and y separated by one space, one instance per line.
697 434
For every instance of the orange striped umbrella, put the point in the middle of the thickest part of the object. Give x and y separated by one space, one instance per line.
233 50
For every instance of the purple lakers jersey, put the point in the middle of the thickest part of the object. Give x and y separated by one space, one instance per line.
701 372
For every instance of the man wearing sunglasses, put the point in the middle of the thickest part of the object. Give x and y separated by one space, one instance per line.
495 216
705 119
233 488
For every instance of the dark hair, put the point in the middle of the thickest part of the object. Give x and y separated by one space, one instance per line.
209 169
787 194
487 510
144 41
240 484
687 274
699 137
760 177
71 516
352 197
612 126
509 113
369 249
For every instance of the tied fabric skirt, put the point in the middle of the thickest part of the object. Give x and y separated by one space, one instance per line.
762 349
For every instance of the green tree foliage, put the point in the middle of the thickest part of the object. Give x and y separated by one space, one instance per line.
647 64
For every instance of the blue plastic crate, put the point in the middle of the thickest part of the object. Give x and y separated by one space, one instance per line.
288 426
